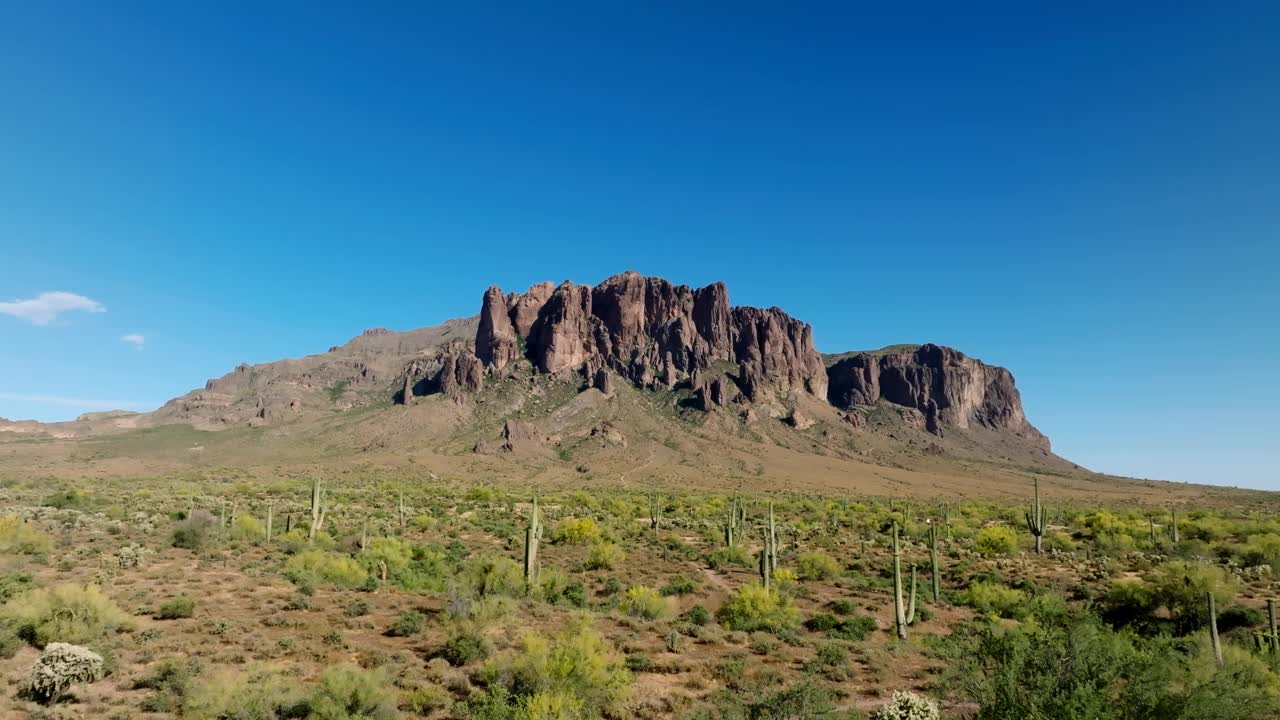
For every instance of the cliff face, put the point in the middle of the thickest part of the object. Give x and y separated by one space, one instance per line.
649 331
945 385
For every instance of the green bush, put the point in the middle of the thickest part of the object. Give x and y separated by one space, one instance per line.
995 540
315 567
74 614
465 644
195 531
577 664
679 586
604 556
491 575
990 598
852 627
577 531
816 565
231 694
726 556
347 692
696 615
407 624
411 567
21 538
1181 586
179 607
644 602
755 608
248 528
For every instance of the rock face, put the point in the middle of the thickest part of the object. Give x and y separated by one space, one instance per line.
650 332
949 388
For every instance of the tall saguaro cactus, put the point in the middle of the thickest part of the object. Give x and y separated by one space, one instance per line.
733 523
532 536
317 510
1173 526
655 513
768 559
271 510
773 542
899 612
911 608
933 562
1036 520
1273 641
403 513
1213 628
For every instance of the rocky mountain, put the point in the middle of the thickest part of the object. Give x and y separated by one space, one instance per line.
688 350
656 335
947 387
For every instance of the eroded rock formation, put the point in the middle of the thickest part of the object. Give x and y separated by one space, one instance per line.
650 332
949 388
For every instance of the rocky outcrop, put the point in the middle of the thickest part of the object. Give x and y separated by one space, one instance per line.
650 332
946 386
496 335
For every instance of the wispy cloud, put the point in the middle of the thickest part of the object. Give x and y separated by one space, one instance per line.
137 340
72 402
44 308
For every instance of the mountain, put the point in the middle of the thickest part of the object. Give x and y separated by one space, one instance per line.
633 380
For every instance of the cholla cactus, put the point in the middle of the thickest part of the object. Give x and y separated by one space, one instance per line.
906 705
131 556
61 666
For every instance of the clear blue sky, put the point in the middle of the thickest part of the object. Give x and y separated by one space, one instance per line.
1089 194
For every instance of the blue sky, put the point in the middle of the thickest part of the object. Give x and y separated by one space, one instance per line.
1088 194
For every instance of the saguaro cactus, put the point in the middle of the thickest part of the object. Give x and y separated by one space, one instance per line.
911 608
773 542
1213 628
403 512
1173 526
733 522
933 562
271 509
1035 519
899 612
655 513
532 536
1273 641
317 510
767 560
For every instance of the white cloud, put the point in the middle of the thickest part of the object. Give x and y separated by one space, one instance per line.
138 341
71 402
45 307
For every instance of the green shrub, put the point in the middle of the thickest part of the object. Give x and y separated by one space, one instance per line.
170 680
990 598
21 538
414 568
906 705
604 556
315 567
1181 587
14 584
230 694
816 565
577 531
696 615
679 586
347 692
995 540
358 608
727 556
248 528
195 531
491 575
465 645
179 607
74 614
578 663
853 627
644 602
755 608
1128 601
406 624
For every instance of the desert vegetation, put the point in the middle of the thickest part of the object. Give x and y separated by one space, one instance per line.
339 596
